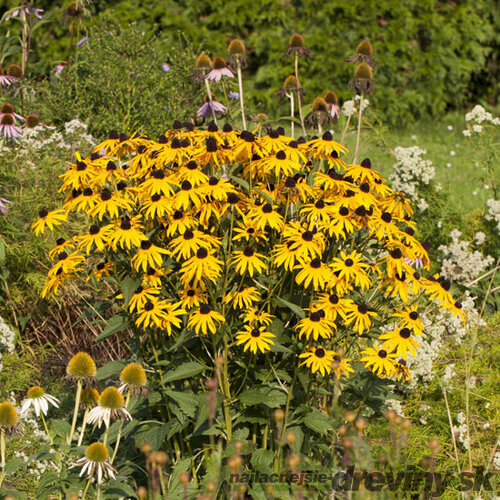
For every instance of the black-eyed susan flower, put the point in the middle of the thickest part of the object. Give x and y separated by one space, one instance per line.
332 304
127 233
96 463
174 313
379 361
152 313
316 325
148 255
409 317
37 398
401 371
253 315
142 295
318 359
203 264
315 273
110 406
351 267
361 315
324 146
205 319
341 366
96 238
399 340
255 339
49 220
185 246
248 261
242 298
192 296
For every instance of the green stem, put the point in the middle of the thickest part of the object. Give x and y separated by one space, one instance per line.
84 424
2 447
117 444
242 105
292 114
75 411
87 486
359 127
209 94
299 98
46 428
226 98
345 129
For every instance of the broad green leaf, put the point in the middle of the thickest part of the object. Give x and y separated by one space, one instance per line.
187 401
13 465
252 397
61 427
128 286
115 324
318 422
262 459
244 184
110 370
186 370
265 196
293 307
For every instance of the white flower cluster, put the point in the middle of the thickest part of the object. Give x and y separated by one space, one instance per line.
493 212
476 118
449 373
460 431
351 107
459 263
7 337
410 172
395 404
438 329
37 141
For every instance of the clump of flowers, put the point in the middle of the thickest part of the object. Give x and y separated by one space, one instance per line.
226 232
493 212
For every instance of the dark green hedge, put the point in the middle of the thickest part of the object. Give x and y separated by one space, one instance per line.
433 55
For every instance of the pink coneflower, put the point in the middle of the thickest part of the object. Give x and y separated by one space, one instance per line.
27 11
219 70
60 67
3 207
8 109
333 104
8 127
206 110
9 78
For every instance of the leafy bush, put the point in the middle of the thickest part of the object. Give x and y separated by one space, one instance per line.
122 79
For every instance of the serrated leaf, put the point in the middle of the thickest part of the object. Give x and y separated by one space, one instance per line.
61 427
186 370
262 459
153 433
252 397
110 370
244 184
128 286
187 401
318 422
13 465
115 324
2 252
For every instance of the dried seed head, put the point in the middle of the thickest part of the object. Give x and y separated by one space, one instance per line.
291 437
343 430
146 448
15 70
81 365
111 398
74 9
319 105
390 415
134 375
347 443
350 416
360 424
365 48
7 107
158 457
35 392
236 47
290 82
238 446
32 120
296 41
97 452
203 62
234 462
363 71
406 425
293 460
7 119
219 63
279 415
8 414
331 97
211 486
142 493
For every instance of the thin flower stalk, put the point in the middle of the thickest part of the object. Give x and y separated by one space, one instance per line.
209 93
359 127
299 98
75 411
84 425
119 436
242 105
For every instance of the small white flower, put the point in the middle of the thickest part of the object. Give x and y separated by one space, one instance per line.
474 193
477 128
466 132
480 238
448 165
37 398
440 224
452 153
450 127
413 137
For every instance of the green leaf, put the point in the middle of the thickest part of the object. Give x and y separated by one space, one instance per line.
128 286
265 195
293 307
119 489
110 370
262 459
115 324
2 252
244 184
186 370
187 401
13 465
318 422
153 433
61 427
252 397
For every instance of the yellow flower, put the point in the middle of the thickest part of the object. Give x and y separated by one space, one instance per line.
148 255
248 260
244 298
255 339
205 319
48 219
318 359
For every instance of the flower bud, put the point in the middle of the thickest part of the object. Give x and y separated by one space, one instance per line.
203 62
365 48
363 71
319 105
236 47
296 41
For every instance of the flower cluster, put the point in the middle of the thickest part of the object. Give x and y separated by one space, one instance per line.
411 172
7 337
218 226
477 118
493 212
459 263
351 107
